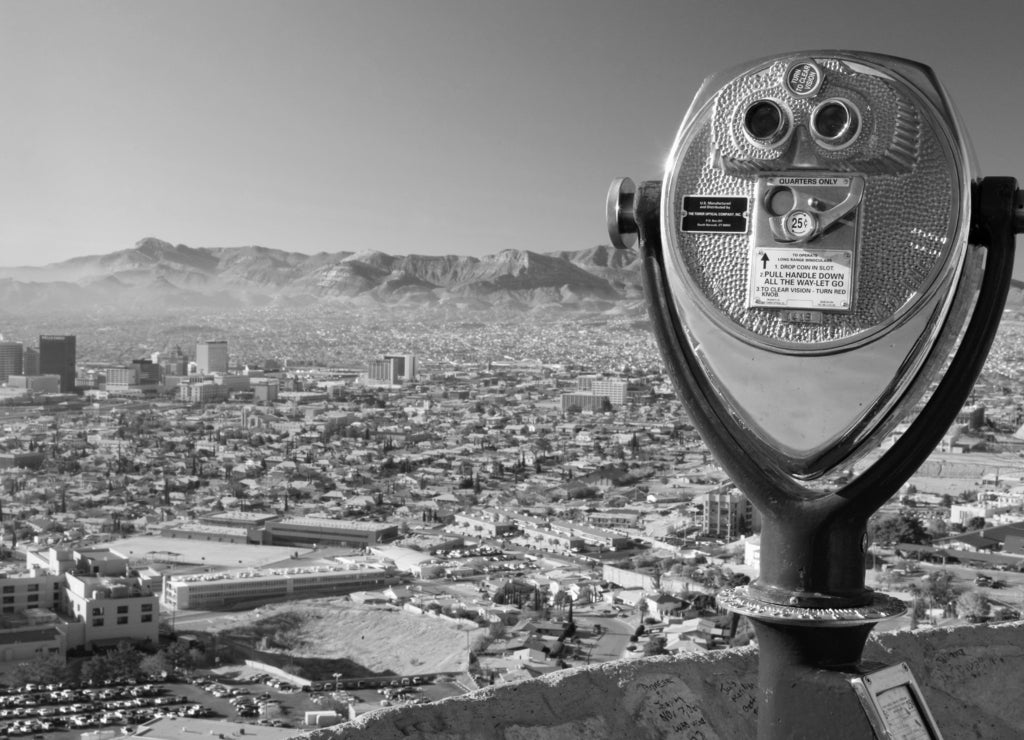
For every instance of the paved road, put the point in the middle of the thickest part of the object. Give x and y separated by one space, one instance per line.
610 644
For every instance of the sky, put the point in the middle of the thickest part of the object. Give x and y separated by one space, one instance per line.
411 127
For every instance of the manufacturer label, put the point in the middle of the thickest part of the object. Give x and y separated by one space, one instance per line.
715 214
803 78
789 277
803 316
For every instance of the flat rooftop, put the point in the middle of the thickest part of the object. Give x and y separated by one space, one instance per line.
176 551
223 530
277 573
338 524
254 517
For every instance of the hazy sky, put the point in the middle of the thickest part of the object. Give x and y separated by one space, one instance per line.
421 126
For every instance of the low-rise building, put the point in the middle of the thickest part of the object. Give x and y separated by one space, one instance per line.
86 596
212 533
321 532
111 610
484 525
254 587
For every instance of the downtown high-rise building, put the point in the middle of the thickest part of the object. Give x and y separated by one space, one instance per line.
381 372
172 363
57 357
30 361
615 390
212 357
11 359
391 369
404 366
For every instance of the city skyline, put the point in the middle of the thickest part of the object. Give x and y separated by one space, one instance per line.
411 128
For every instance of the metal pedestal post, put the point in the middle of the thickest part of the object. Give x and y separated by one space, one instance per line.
804 678
810 608
807 658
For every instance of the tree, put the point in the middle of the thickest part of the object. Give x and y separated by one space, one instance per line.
97 670
44 669
642 607
975 523
655 645
972 606
901 528
117 665
155 666
937 588
125 660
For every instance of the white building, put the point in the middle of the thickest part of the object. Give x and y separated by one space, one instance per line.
218 590
212 357
110 610
963 513
74 599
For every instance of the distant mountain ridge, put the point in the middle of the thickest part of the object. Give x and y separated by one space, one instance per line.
159 274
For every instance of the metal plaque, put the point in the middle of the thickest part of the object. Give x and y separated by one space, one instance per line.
706 214
894 704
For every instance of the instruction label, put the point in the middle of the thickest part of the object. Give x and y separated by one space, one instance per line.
715 214
789 277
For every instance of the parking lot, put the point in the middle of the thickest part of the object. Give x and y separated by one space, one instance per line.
56 711
33 709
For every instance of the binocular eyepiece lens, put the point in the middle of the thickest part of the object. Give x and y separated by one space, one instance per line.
764 120
835 122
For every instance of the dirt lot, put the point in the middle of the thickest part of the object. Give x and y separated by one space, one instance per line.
380 639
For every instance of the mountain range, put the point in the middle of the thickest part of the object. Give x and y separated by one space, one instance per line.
160 275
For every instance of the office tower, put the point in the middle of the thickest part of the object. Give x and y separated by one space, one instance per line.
613 388
148 372
265 389
30 361
148 375
212 357
381 372
11 359
174 363
57 357
404 366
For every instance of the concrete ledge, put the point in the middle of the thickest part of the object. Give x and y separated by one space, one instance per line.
971 678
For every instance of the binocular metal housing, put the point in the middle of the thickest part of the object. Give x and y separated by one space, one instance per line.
821 263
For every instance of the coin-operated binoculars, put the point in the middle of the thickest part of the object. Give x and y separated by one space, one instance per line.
820 262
